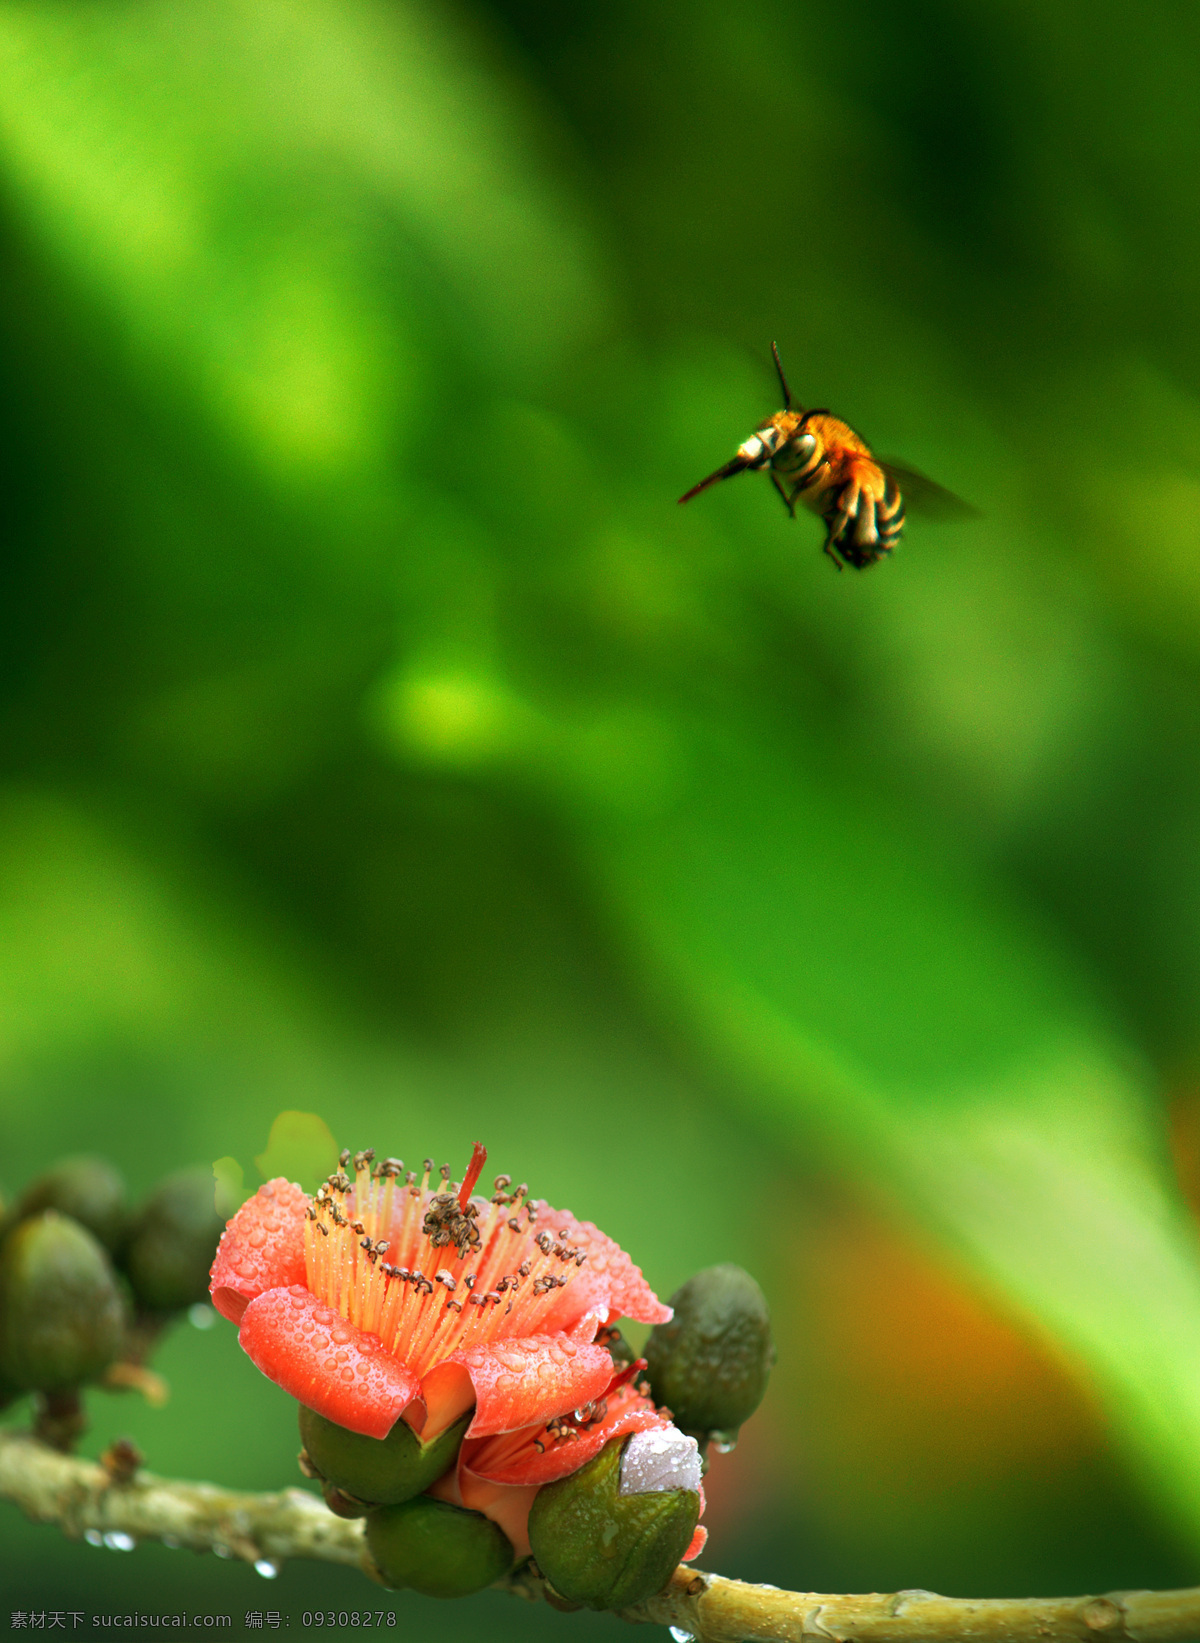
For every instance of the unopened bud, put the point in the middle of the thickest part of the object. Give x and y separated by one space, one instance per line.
61 1316
172 1242
438 1549
89 1190
383 1471
612 1534
709 1365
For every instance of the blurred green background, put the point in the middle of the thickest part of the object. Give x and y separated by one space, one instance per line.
379 739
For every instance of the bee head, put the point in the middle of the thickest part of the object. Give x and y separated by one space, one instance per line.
757 451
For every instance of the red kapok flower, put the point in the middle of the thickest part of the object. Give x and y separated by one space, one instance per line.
379 1297
500 1475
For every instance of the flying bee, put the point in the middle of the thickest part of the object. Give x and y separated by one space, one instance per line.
815 458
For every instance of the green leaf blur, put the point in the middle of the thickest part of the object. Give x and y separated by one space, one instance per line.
381 741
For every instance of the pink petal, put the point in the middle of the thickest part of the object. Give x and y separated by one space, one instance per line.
608 1283
261 1248
332 1367
513 1383
515 1459
696 1544
509 1508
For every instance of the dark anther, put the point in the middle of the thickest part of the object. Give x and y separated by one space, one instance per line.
446 1223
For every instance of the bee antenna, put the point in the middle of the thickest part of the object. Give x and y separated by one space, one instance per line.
783 381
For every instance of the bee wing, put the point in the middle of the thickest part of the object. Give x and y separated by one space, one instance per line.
925 496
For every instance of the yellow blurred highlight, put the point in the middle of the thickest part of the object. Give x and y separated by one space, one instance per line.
456 719
300 1147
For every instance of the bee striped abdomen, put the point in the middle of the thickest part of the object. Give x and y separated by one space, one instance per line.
864 516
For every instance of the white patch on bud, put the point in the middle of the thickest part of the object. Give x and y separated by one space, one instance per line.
662 1459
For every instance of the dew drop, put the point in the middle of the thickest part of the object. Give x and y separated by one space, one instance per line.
266 1568
93 1537
118 1541
680 1636
222 1551
202 1316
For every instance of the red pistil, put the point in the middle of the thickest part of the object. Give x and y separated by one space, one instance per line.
478 1160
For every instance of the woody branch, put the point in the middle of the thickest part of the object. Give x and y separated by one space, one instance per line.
80 1495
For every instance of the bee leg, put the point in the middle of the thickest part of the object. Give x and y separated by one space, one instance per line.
847 507
789 502
865 533
829 549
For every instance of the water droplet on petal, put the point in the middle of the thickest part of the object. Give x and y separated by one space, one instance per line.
266 1568
93 1537
118 1541
680 1636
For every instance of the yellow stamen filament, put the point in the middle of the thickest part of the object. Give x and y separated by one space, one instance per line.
424 1273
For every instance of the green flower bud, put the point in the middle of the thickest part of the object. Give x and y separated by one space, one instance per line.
384 1471
709 1365
612 1534
172 1242
437 1549
89 1190
61 1315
